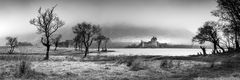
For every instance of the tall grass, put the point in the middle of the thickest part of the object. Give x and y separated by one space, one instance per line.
23 70
20 57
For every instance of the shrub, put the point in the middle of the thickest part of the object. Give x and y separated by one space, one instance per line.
166 63
3 75
23 70
138 64
128 60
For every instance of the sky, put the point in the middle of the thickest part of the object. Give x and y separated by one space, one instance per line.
171 21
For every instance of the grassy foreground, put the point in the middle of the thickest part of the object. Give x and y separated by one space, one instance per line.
66 64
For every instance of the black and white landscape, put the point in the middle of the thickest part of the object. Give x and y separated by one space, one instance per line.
119 39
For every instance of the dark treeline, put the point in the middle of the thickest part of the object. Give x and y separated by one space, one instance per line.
223 34
25 44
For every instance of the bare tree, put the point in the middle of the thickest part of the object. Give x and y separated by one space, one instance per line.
12 42
99 40
78 42
87 31
56 41
106 40
47 22
208 33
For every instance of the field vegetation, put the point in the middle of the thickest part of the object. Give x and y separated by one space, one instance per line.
66 63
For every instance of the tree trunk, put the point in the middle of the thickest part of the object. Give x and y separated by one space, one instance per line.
99 44
86 52
47 53
237 44
204 50
236 39
75 46
215 51
55 48
80 46
223 50
105 47
11 50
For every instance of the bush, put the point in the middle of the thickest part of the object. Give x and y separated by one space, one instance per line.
166 63
23 70
128 60
3 75
138 64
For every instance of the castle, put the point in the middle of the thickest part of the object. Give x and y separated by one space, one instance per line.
153 43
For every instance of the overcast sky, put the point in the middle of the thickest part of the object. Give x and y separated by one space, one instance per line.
169 17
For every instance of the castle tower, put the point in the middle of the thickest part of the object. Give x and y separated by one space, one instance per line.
153 39
142 43
154 42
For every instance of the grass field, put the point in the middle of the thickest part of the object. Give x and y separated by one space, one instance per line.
67 64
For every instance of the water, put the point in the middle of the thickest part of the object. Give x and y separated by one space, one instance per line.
156 51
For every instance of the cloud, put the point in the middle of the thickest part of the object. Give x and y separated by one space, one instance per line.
125 31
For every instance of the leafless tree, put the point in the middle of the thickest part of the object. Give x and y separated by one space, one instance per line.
106 40
56 41
99 40
78 42
88 32
47 22
12 42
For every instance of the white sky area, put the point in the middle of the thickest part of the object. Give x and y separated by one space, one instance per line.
184 14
